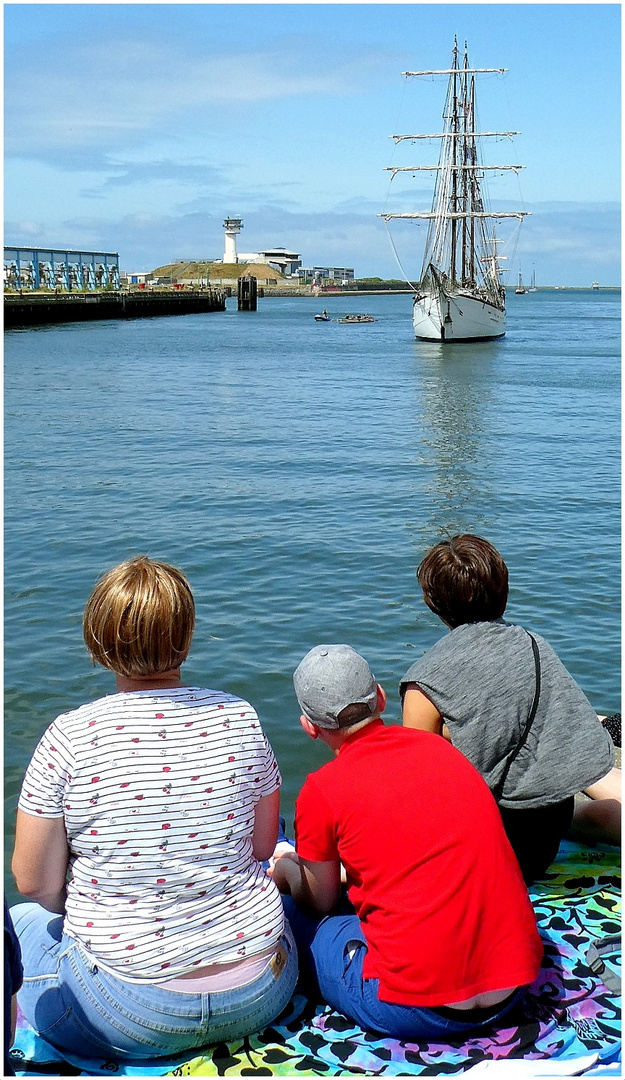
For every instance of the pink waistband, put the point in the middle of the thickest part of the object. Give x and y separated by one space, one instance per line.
229 979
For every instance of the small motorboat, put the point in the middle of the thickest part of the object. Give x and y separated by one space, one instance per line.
357 319
324 317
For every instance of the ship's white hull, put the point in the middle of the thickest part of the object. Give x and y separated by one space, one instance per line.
440 317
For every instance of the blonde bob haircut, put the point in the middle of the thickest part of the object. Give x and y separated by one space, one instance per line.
139 619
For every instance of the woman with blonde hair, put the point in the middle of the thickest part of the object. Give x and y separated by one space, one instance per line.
142 823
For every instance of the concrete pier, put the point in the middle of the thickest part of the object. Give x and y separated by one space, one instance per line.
37 309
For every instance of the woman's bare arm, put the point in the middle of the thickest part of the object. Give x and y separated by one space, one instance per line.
266 824
40 860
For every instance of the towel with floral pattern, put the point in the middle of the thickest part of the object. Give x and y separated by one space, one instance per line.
569 1016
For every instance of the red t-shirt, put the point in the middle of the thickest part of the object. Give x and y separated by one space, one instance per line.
430 872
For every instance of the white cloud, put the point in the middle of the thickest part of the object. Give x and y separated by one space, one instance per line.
116 94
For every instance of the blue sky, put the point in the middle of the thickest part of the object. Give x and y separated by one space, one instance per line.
138 127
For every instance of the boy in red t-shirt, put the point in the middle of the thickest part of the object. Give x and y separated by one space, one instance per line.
439 937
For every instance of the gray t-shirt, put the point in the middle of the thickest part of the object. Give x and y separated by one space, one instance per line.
481 677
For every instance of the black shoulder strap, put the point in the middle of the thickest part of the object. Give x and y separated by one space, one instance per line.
498 790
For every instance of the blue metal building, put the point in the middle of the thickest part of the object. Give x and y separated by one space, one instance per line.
60 269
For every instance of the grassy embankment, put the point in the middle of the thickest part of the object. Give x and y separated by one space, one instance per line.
217 271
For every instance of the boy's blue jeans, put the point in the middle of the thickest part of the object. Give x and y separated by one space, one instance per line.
83 1010
331 952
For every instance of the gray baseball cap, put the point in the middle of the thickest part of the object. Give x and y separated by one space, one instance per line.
329 678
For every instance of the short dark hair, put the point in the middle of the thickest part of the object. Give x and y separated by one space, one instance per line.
356 713
464 580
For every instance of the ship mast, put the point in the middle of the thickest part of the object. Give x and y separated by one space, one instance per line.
454 163
458 221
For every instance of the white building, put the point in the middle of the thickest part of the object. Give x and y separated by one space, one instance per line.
320 275
281 259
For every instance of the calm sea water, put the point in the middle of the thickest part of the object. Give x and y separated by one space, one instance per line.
297 472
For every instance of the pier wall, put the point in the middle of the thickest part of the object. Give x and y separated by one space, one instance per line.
36 309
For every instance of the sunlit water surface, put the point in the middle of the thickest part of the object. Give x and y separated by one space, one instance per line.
297 472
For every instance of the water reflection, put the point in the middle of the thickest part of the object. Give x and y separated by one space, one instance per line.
455 398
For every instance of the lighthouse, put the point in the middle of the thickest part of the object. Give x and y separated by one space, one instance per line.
232 228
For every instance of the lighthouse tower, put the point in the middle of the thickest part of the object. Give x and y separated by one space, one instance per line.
232 227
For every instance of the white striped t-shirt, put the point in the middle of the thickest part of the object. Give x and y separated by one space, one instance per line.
157 789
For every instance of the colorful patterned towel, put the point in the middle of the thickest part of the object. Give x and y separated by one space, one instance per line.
570 1023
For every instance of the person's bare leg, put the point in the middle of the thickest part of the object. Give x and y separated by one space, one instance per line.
609 787
598 817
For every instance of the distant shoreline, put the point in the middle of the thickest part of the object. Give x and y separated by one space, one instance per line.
285 292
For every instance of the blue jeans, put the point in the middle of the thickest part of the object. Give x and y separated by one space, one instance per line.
331 952
83 1010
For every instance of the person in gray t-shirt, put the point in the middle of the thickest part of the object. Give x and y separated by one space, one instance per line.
503 698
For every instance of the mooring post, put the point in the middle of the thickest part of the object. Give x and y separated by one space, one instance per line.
247 294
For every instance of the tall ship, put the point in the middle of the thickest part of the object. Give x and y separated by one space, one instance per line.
460 295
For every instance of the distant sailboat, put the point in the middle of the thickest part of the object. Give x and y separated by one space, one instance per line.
533 281
459 296
520 289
